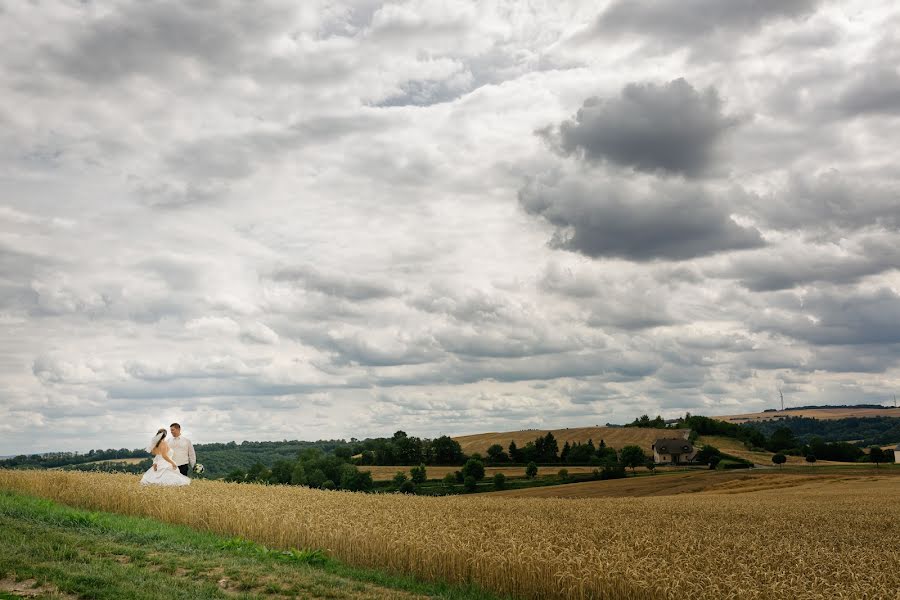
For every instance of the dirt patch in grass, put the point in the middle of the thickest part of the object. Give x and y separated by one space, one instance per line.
29 588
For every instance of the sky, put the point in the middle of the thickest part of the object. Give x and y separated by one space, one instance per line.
311 220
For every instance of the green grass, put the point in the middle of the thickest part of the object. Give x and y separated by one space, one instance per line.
101 556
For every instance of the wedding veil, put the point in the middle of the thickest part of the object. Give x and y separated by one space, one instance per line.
155 441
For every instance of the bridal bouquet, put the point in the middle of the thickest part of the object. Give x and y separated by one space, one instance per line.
198 469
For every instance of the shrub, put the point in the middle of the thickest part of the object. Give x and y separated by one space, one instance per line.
499 481
354 480
470 483
779 459
399 479
407 487
531 470
810 458
563 474
613 472
473 468
418 474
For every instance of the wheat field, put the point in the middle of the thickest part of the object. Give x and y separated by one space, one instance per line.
834 540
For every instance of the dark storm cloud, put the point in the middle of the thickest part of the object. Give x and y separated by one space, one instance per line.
668 221
834 317
810 264
830 199
671 128
688 20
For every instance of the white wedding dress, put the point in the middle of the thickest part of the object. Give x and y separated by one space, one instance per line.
165 473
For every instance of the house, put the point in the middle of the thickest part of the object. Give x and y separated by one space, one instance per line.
673 450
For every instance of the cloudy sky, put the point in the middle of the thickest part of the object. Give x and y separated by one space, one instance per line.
322 219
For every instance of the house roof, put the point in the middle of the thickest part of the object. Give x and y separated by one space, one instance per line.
673 446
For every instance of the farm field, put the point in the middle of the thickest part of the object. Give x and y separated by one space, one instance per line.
813 413
49 550
553 547
737 448
736 481
615 437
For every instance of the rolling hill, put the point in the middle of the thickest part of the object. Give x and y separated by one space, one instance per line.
824 413
615 437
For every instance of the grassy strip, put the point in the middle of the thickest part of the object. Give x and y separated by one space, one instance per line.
108 556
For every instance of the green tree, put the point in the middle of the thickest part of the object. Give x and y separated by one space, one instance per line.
564 453
258 472
499 481
515 455
298 475
354 480
779 459
473 468
633 456
496 455
531 470
563 474
705 453
399 479
407 487
281 472
236 476
470 483
810 458
550 451
446 451
782 439
418 474
651 465
876 455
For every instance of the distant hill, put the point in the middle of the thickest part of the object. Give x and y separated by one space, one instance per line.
819 412
614 437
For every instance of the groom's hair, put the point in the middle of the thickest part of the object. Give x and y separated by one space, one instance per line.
175 425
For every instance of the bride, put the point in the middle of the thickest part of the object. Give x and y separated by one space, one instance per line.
164 471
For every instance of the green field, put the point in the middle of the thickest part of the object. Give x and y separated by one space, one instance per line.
48 550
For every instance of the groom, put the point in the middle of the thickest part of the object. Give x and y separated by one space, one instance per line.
182 450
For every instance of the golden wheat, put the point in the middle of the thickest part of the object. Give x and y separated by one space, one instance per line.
835 540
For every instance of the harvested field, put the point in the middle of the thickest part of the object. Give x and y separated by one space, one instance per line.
737 481
615 437
813 413
556 548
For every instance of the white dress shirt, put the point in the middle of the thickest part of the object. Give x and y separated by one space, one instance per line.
182 451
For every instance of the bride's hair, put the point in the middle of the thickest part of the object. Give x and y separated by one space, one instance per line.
160 435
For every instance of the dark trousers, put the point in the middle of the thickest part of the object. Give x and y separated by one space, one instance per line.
183 469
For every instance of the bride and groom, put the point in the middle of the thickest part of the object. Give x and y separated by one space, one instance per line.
172 460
